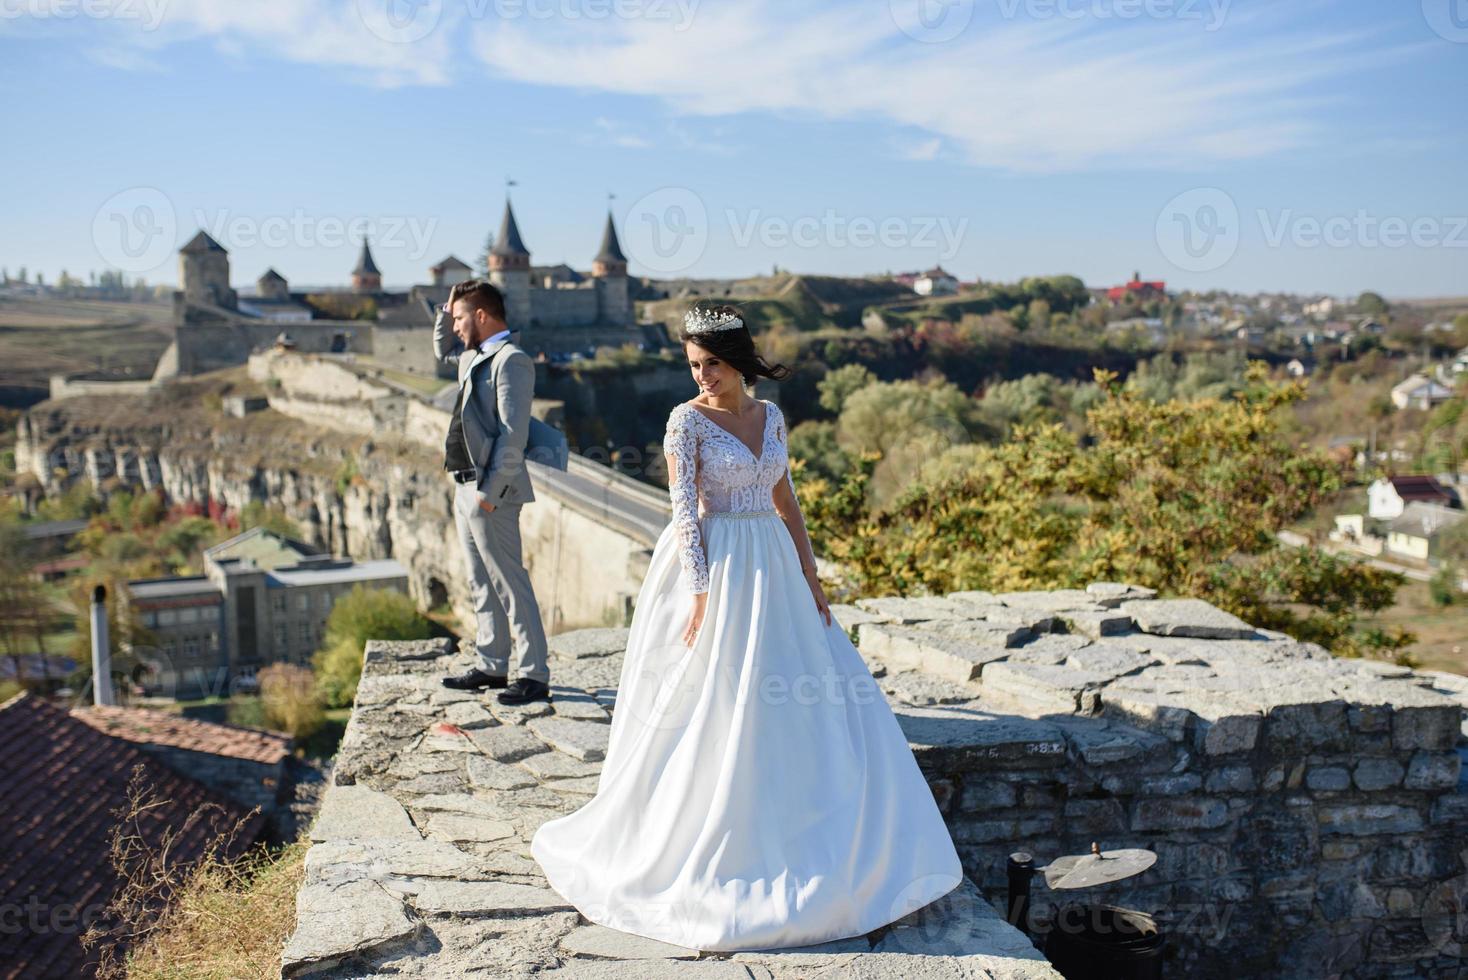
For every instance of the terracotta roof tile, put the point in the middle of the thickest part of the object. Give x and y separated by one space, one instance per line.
167 728
61 782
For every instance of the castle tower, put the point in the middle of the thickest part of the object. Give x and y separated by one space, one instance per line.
272 285
450 272
609 268
203 270
365 277
509 270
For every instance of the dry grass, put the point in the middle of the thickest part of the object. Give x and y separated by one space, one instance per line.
228 922
1442 631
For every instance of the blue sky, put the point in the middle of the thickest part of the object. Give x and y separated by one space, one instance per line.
1300 145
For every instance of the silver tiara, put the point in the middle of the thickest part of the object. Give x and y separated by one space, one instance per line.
707 321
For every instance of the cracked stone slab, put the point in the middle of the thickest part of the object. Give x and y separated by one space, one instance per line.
558 766
960 738
1043 687
584 740
903 610
457 828
373 857
1186 617
468 714
486 898
334 922
506 743
1113 594
357 811
600 942
595 642
576 704
957 654
918 687
487 773
960 923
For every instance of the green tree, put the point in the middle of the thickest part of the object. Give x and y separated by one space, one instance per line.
1371 303
838 385
361 615
1184 496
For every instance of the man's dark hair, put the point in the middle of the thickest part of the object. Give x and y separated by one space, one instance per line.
480 295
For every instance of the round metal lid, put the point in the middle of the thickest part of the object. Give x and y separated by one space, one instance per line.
1097 868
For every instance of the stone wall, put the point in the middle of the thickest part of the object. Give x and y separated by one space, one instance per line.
1309 815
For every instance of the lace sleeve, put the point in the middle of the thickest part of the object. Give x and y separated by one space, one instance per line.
781 436
681 443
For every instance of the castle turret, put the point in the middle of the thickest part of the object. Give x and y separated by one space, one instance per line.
272 285
365 277
609 269
509 270
450 272
203 271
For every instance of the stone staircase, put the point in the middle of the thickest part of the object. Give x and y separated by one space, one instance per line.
1303 808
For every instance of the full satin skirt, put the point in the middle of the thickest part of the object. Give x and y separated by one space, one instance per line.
757 792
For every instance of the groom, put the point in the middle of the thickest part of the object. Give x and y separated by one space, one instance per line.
484 452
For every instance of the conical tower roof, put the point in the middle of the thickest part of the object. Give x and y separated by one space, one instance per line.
611 249
507 243
365 265
202 243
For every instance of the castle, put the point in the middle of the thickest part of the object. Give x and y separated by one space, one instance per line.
555 309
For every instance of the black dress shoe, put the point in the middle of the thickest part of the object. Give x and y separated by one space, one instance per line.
524 690
473 680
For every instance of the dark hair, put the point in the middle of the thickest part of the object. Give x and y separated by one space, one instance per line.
480 295
735 347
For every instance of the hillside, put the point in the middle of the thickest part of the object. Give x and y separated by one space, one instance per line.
39 338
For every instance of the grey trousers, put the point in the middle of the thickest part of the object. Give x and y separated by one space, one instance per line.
504 603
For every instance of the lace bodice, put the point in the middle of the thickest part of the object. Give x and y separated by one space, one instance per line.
715 472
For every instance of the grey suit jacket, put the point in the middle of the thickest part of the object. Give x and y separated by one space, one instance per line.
498 386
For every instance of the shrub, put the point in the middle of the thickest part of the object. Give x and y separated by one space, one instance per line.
291 701
361 615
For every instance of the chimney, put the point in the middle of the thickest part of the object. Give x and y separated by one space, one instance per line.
101 654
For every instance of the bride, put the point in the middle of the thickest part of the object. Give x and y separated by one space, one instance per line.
757 791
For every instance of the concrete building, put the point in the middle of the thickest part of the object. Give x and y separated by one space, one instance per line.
1386 499
1415 534
1420 391
262 599
935 282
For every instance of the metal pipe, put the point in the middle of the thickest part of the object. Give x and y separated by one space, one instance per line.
101 651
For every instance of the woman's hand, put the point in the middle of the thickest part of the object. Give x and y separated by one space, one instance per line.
695 620
822 606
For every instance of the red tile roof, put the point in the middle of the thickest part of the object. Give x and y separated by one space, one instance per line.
60 783
167 728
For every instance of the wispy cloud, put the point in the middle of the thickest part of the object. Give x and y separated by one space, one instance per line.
1024 95
359 38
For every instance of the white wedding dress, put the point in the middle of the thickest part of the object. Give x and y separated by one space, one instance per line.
757 791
